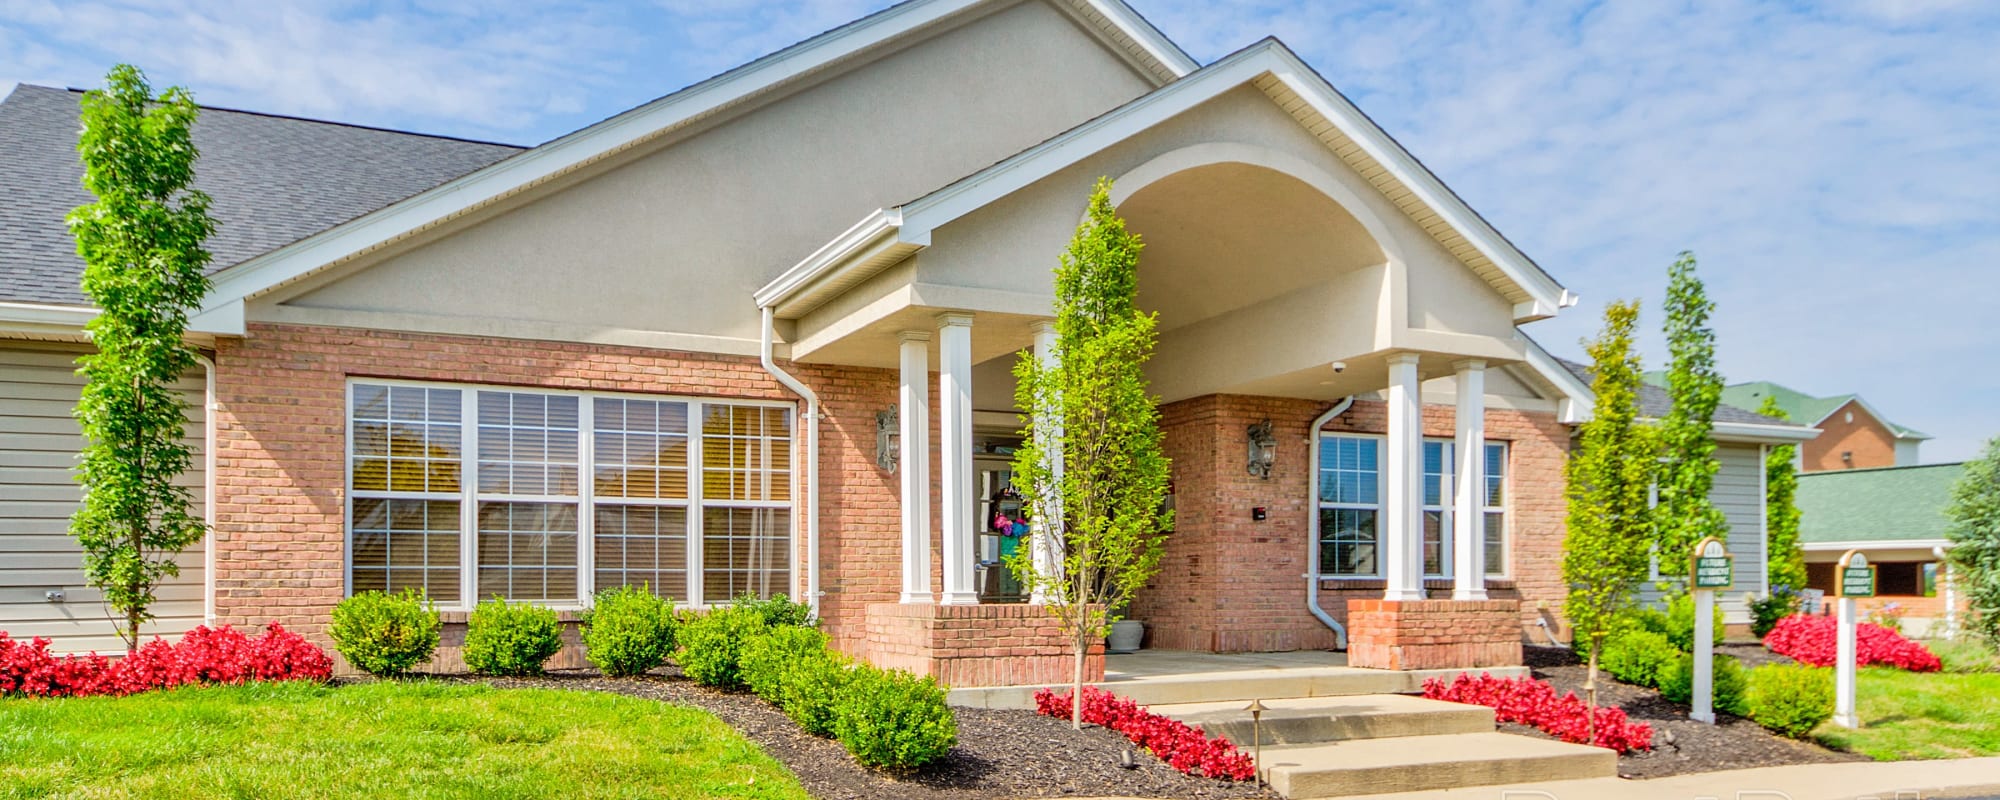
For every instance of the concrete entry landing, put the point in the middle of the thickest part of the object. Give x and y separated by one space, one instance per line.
1153 677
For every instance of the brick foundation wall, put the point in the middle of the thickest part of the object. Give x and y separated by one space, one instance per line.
1433 634
281 437
985 645
1231 584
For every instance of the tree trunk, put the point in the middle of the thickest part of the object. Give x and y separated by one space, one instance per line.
1076 681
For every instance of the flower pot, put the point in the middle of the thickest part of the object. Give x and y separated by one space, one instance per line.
1126 635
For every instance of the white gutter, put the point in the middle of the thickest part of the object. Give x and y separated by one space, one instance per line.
812 460
1875 544
1312 541
207 489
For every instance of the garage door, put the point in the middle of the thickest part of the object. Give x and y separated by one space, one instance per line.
38 492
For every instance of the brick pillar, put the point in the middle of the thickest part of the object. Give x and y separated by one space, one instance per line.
977 645
1433 634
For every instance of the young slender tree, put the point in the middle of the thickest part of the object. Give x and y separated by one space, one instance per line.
141 243
1974 530
1092 464
1609 477
1787 567
1687 433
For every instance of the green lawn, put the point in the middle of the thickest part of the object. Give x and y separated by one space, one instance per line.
1908 715
391 739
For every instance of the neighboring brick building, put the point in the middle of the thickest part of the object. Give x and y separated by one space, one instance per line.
1853 434
692 347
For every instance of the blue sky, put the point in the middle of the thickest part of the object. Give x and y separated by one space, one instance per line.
1834 165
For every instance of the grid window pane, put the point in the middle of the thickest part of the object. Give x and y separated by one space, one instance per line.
406 439
744 453
641 448
1437 455
1347 541
1496 543
528 444
1435 540
1349 471
528 551
642 545
745 551
401 544
1496 473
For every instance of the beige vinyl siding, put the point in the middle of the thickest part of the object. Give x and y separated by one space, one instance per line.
38 492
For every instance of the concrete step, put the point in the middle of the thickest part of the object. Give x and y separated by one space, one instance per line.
1310 720
1238 687
1427 763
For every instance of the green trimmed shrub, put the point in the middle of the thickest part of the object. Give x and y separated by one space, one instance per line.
385 634
628 631
893 720
1637 656
504 638
1765 611
711 645
1677 683
767 656
811 685
1680 622
778 611
1790 699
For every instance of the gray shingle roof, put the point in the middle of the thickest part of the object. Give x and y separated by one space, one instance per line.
1654 402
273 180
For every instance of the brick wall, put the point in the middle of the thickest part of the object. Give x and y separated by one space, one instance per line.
1866 437
280 450
1433 634
1232 584
986 645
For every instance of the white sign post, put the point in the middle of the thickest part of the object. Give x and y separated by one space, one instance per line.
1856 578
1709 570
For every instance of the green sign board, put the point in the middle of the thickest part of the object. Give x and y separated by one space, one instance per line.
1712 567
1857 581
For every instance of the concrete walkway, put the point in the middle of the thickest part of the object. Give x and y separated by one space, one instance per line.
1900 780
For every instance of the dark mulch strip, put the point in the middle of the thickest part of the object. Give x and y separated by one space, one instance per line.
1680 745
1000 754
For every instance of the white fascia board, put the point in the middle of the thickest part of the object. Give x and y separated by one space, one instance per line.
1155 43
1754 432
294 261
1578 400
46 316
1313 87
1876 544
830 257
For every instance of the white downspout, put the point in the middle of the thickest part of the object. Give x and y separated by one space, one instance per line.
1312 540
207 489
1947 577
812 460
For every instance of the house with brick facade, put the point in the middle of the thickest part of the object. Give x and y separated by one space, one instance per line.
1853 434
756 337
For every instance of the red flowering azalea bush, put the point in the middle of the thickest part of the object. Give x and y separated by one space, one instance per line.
1533 702
204 655
1183 747
1813 640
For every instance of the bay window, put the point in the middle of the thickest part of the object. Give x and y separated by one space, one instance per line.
550 496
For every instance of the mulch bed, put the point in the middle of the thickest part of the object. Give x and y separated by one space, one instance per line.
1680 745
1000 754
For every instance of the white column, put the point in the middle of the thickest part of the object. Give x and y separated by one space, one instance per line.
1843 662
1047 520
1468 529
914 417
955 474
1402 507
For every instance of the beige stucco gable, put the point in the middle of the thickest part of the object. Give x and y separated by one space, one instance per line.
666 247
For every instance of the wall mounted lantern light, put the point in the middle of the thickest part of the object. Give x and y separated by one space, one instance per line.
1263 449
888 440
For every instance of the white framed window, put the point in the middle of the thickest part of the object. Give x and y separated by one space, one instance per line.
552 495
1350 507
1349 494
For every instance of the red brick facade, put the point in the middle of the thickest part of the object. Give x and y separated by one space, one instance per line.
1433 634
1229 583
985 645
1864 441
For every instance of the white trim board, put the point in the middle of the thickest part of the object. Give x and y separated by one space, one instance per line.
221 312
1874 544
913 223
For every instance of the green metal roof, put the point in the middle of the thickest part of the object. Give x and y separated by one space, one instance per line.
1851 505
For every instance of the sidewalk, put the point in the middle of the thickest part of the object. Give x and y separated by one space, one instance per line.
1897 780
